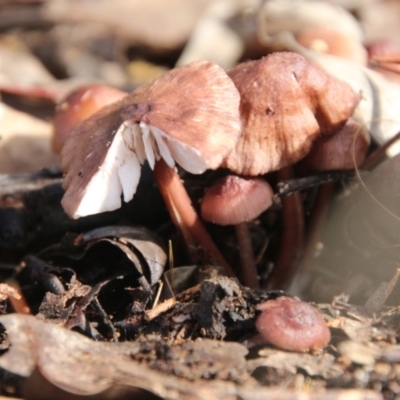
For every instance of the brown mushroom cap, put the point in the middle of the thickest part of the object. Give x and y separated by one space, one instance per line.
78 106
286 103
384 57
344 150
384 50
190 115
291 324
233 200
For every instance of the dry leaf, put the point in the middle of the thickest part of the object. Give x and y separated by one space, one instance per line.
18 66
24 142
277 16
150 23
214 37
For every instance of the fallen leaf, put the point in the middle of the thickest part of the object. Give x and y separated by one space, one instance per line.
148 23
24 142
277 16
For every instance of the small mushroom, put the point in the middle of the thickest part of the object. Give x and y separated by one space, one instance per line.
286 104
78 106
234 200
291 324
383 50
384 57
190 116
345 150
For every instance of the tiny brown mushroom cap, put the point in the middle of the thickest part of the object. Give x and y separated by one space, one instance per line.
345 150
293 325
78 106
286 103
233 200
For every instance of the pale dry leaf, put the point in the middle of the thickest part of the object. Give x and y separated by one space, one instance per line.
156 23
24 142
18 65
379 19
276 16
214 38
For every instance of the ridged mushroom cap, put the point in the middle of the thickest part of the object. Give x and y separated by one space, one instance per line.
189 115
286 103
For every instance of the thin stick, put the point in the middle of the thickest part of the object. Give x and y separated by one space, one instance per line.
288 186
379 153
183 214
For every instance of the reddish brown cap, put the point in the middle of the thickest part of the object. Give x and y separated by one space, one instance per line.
286 103
79 105
345 150
233 200
384 56
384 50
291 324
189 115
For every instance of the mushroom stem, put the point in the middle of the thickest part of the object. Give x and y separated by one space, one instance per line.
292 238
249 268
183 214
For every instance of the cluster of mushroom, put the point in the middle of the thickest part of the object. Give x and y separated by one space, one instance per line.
259 117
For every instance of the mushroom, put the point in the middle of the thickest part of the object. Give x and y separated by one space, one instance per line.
384 57
384 50
78 106
291 324
189 115
286 104
345 150
234 200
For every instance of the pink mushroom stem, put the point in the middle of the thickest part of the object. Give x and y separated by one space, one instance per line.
249 270
183 214
292 239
